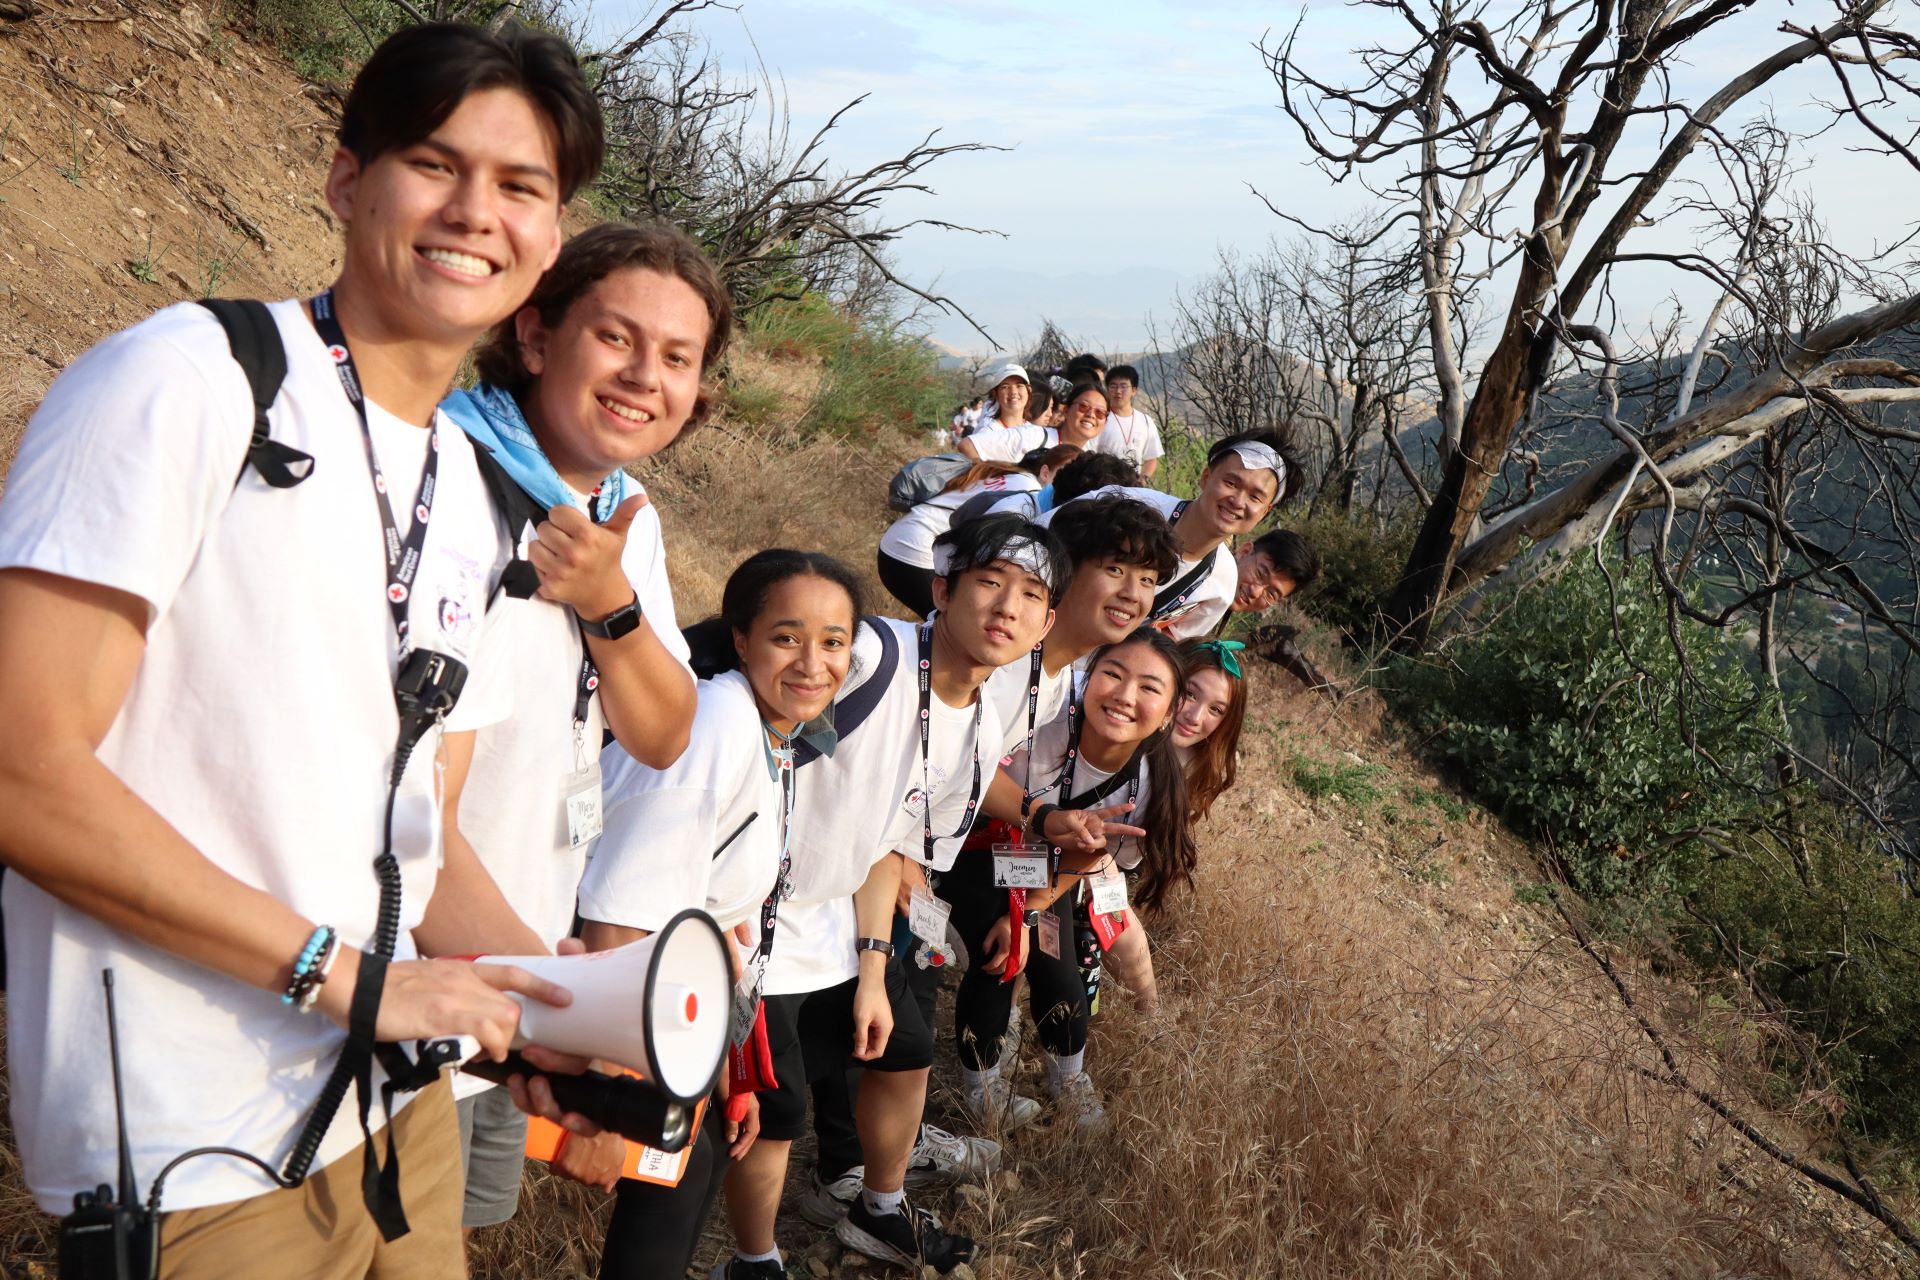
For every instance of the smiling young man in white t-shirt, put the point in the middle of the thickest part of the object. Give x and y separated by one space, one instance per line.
1131 431
202 691
1245 478
600 369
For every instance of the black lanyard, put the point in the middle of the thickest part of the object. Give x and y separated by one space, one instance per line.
926 716
403 554
782 760
1034 676
379 1185
1062 784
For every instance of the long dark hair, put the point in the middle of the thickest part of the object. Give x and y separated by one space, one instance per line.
1210 773
1168 854
710 642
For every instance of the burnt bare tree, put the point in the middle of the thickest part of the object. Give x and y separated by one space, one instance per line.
1471 125
1320 338
720 156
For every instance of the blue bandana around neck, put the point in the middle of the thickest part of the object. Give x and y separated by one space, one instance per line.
492 417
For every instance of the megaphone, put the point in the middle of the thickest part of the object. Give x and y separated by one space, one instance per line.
659 1005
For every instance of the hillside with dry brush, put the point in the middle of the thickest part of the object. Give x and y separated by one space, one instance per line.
1373 1058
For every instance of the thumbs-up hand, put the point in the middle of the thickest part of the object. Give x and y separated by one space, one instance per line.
579 561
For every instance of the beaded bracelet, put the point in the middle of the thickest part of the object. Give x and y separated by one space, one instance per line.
320 974
311 968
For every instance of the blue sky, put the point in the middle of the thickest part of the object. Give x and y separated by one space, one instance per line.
1136 127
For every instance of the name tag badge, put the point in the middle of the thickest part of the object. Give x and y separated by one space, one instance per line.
927 917
582 792
745 1008
1019 866
1109 893
1049 928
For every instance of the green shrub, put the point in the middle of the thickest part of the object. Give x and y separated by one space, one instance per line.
1825 926
1361 564
871 378
1563 713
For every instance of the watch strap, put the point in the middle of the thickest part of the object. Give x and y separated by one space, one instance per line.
881 945
622 621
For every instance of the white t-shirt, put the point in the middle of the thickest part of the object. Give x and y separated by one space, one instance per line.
1010 444
1008 688
513 808
1043 767
1210 599
1133 436
910 539
656 857
260 724
867 800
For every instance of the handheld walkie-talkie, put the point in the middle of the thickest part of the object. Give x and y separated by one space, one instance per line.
110 1235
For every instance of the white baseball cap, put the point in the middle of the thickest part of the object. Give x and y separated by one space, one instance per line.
999 373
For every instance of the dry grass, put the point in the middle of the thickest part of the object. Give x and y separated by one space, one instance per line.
1371 1060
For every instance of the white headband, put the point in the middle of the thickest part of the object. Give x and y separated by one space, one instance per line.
1027 553
1255 455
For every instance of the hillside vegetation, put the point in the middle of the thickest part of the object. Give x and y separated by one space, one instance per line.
1380 1052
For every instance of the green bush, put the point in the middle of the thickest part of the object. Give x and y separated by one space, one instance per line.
1563 713
871 379
1825 926
1361 564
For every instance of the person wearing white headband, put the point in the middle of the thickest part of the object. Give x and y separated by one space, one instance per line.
1245 478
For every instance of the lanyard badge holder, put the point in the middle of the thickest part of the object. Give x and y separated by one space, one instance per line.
749 1055
426 686
580 795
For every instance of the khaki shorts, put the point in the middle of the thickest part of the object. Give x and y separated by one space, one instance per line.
321 1230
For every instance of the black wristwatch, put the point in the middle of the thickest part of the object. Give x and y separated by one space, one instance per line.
881 945
622 621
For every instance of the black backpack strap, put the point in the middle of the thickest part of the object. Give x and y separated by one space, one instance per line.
255 341
852 711
518 508
1175 593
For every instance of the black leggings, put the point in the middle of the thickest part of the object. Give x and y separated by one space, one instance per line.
1056 989
655 1229
911 586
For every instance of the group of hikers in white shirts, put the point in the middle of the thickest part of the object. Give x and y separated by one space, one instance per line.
312 713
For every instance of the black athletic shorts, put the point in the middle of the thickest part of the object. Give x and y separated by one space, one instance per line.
811 1034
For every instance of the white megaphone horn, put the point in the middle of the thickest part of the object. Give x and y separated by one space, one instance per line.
659 1005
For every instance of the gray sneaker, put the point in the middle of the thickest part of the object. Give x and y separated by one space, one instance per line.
996 1108
825 1203
940 1156
1075 1099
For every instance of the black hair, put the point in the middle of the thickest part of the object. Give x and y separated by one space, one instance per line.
1291 555
1039 400
1084 385
1119 527
1168 853
1055 456
975 544
420 75
1278 441
710 642
1092 471
1126 371
1084 365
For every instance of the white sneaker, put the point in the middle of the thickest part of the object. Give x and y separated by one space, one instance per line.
1075 1099
940 1156
825 1203
996 1107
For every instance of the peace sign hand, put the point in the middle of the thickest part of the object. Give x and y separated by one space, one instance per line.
1088 830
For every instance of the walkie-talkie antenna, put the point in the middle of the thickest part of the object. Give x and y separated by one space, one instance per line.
129 1194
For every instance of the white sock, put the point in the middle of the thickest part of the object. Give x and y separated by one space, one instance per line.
773 1256
1064 1067
882 1203
975 1082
